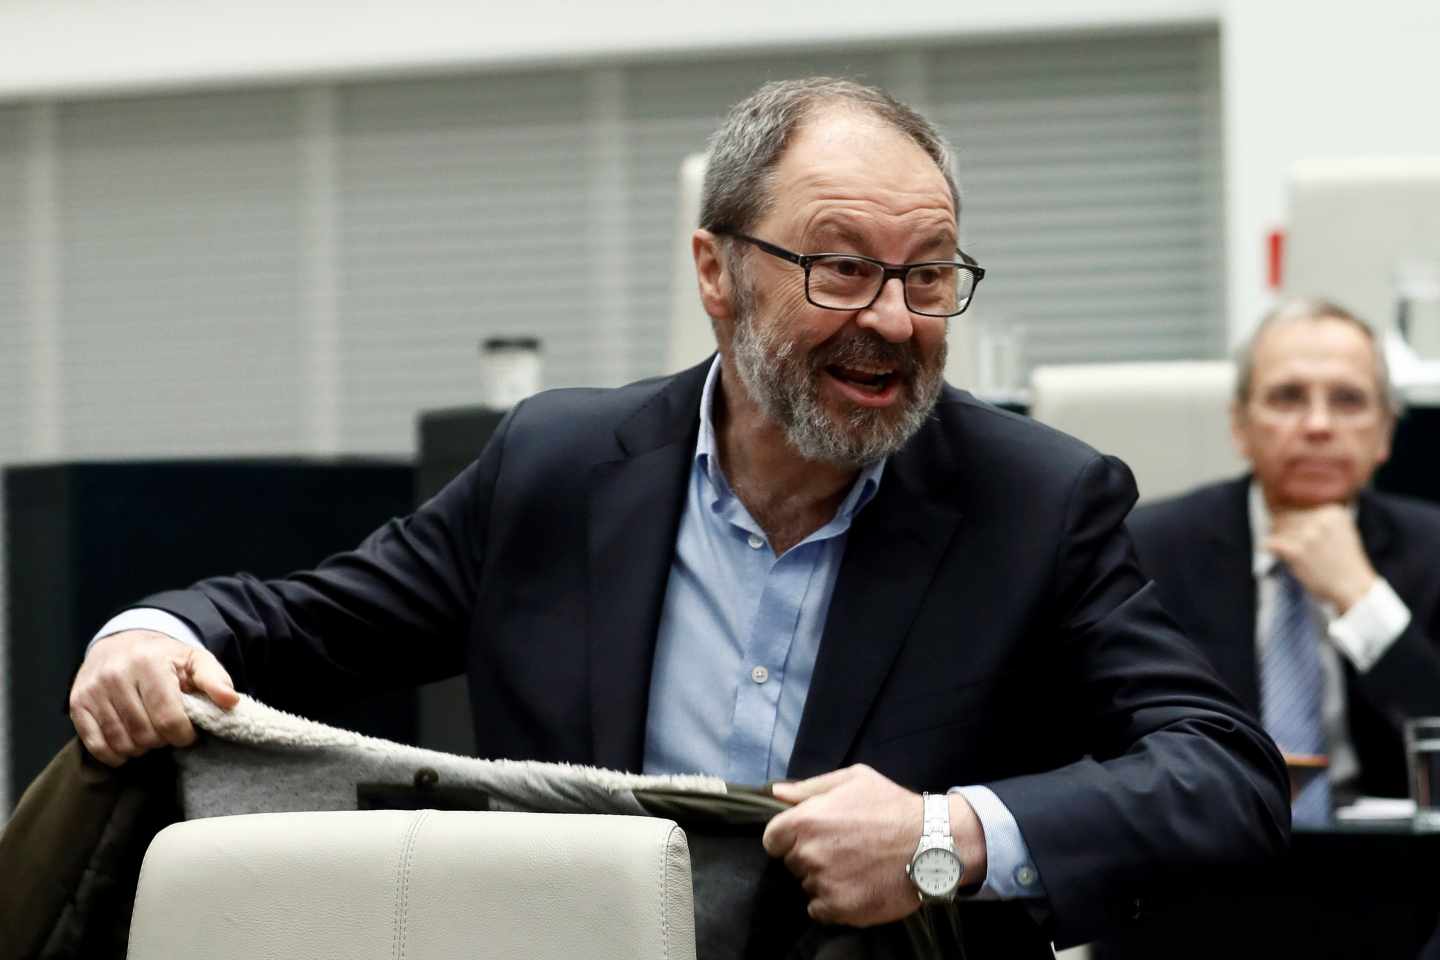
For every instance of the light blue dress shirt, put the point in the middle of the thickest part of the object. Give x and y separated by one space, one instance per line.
739 633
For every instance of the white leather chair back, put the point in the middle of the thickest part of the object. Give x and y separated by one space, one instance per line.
1169 421
422 885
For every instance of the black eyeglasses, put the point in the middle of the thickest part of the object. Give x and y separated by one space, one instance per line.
844 281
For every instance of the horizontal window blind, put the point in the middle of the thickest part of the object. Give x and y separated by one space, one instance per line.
462 206
179 275
1091 180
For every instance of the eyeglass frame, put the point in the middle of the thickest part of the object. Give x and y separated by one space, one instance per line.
897 271
1274 409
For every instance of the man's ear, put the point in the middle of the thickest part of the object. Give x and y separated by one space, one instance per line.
1239 432
713 276
1386 438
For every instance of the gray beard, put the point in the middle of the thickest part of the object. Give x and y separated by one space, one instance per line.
786 387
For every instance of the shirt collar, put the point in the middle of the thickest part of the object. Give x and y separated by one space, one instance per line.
1263 560
707 459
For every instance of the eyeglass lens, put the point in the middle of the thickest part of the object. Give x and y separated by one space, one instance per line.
847 283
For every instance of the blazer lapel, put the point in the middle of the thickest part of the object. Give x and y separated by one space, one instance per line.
1227 577
1376 530
634 515
891 554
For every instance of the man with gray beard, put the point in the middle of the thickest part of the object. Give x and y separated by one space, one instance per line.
806 561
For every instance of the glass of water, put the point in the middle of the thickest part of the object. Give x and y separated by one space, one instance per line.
1422 753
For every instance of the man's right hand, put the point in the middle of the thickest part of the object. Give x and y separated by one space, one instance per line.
126 697
1322 547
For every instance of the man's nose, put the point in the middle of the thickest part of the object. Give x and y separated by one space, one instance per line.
1317 416
888 315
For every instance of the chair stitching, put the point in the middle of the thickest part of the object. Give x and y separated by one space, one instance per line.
664 894
402 887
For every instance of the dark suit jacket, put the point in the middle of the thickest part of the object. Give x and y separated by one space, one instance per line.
1198 549
988 626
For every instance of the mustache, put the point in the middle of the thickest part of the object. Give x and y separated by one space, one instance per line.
867 347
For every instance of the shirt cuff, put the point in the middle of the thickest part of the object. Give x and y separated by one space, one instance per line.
1010 873
1369 628
148 618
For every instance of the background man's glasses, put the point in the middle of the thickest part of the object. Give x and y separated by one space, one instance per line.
1343 404
842 281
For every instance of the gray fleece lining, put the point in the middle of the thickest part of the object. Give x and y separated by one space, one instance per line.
257 758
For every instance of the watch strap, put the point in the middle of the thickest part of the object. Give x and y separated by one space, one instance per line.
937 815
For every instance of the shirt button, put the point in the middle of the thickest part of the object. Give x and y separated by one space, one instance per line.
756 541
1025 875
759 674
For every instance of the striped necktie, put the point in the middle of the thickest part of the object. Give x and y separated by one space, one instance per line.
1292 684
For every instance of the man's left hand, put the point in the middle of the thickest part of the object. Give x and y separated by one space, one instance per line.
1322 548
849 837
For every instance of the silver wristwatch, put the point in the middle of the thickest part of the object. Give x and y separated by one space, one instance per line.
935 869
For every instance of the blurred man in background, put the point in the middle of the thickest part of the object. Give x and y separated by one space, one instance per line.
1317 599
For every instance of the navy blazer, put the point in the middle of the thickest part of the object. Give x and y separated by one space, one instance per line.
989 625
1198 548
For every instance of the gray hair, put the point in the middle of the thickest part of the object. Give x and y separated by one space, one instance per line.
1314 308
750 141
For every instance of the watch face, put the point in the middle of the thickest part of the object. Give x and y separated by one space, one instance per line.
936 872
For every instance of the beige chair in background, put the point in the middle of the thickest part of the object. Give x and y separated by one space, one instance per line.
1170 421
423 885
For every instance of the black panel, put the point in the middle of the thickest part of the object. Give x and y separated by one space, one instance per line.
87 539
1315 901
1414 466
449 441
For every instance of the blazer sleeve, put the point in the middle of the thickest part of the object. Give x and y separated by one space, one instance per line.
391 613
1176 776
1405 681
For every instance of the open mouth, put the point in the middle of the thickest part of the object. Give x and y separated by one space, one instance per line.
868 380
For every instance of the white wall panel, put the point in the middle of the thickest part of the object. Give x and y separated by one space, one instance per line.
13 258
79 49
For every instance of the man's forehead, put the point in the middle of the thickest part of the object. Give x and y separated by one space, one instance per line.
1317 348
843 169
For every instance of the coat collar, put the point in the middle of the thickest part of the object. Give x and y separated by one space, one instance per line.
1227 564
1377 529
636 501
